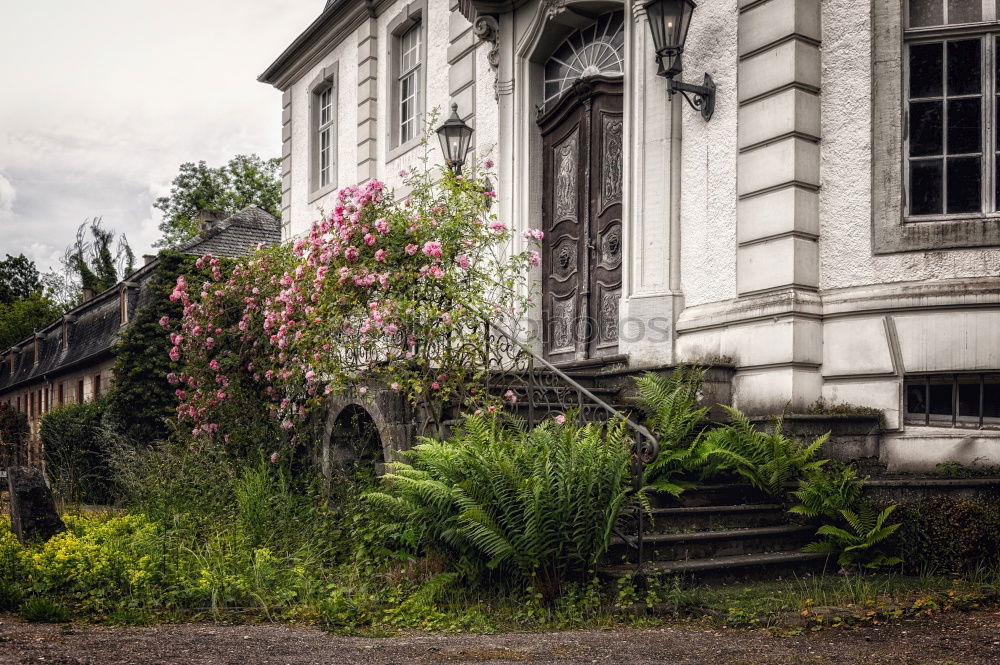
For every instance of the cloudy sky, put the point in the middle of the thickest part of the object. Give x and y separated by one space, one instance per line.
102 100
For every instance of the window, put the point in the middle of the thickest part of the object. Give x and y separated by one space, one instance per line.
598 49
325 136
951 94
408 85
406 80
79 391
323 132
97 386
953 400
934 111
60 395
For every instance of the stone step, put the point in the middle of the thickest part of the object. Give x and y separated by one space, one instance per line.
741 566
719 494
712 544
700 518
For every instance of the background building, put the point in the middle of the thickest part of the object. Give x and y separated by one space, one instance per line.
71 360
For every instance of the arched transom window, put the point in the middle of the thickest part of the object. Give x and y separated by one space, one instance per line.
597 49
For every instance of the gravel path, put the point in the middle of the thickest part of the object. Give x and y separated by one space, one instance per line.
967 639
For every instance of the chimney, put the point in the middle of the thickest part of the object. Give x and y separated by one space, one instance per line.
88 293
148 258
207 219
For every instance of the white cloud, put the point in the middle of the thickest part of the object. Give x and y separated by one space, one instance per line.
103 101
7 196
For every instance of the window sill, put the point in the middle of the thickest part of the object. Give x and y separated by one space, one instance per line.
934 233
400 150
317 194
958 217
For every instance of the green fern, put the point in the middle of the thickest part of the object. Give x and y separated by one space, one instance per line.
674 417
765 459
862 541
538 503
826 493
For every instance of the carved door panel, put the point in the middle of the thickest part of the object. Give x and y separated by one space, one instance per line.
581 208
605 223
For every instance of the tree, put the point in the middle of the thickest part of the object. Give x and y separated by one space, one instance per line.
22 317
141 398
93 263
18 278
245 180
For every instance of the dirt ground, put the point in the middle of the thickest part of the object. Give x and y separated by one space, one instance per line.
968 639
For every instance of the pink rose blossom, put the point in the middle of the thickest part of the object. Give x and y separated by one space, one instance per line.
560 419
432 248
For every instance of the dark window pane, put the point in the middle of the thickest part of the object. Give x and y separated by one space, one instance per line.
925 187
964 175
926 12
926 67
925 129
964 67
968 396
965 11
940 399
915 398
991 397
964 128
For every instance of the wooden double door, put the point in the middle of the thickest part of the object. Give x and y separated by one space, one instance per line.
582 219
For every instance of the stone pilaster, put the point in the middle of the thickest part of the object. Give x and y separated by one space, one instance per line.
367 95
461 65
286 161
778 172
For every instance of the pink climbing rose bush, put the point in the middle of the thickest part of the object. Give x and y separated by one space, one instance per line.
386 289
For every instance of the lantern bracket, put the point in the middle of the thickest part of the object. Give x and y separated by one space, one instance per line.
703 95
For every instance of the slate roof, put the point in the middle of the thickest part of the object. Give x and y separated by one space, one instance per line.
93 326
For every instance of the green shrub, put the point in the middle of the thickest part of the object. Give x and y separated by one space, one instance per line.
540 503
10 597
942 535
76 451
100 562
767 460
11 554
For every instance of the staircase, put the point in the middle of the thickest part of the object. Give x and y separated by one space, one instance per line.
720 531
714 532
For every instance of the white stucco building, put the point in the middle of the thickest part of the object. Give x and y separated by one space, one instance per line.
833 230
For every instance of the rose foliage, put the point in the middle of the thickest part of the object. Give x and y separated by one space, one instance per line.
385 290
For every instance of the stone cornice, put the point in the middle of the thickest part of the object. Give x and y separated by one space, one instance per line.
965 293
330 28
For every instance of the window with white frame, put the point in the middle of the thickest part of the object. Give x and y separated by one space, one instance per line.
324 136
408 84
951 104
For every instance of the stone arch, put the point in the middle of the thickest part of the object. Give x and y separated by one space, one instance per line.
368 428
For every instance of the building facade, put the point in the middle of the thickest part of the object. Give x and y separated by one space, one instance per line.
71 360
832 232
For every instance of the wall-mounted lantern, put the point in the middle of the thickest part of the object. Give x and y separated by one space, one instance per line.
455 137
669 21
